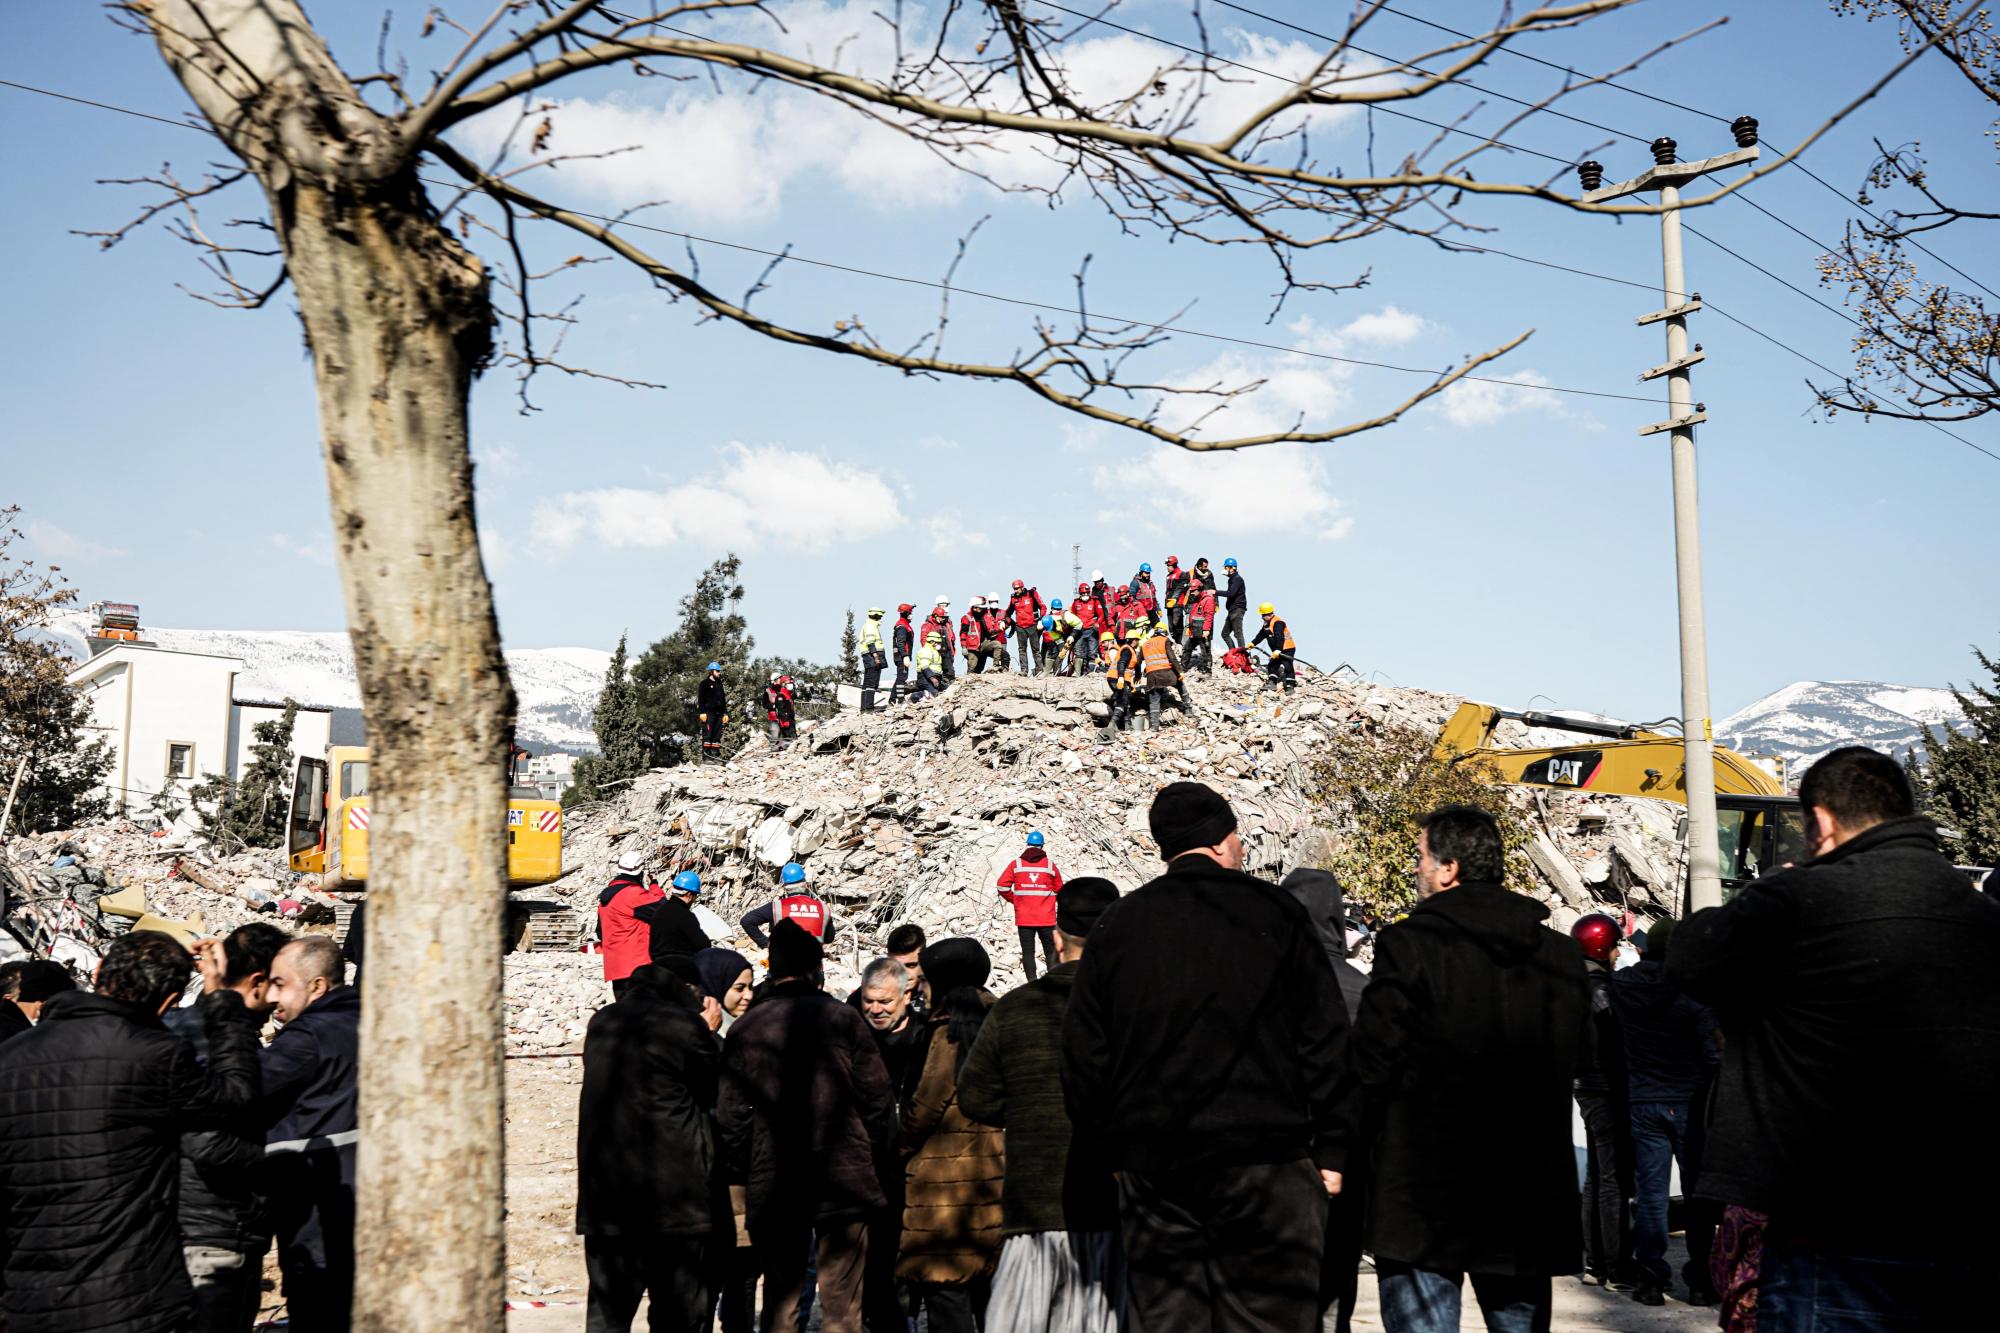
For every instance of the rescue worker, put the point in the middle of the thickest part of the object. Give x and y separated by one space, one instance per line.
1051 644
711 704
1103 592
903 642
1143 592
1025 609
672 928
1124 611
621 934
940 620
993 621
795 903
1089 616
1117 678
1163 673
1030 884
1177 598
779 719
1282 669
1235 601
972 636
1201 628
1068 629
873 659
930 667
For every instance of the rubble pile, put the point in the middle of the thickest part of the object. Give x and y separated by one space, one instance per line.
910 814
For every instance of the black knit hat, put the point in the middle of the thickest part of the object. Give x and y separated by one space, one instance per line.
794 953
1080 902
1186 815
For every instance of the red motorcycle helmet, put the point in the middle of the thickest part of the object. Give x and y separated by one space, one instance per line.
1598 934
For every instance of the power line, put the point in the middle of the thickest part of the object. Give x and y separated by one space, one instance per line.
940 286
1914 242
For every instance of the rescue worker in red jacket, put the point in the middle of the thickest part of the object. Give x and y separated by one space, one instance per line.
1105 594
1282 671
1201 628
1177 599
795 903
979 650
1030 882
623 938
903 645
780 721
940 620
993 620
1125 613
1144 593
1025 609
1090 620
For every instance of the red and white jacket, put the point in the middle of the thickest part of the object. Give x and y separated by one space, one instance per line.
1031 882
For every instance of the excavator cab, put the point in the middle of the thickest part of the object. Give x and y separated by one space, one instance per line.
1758 835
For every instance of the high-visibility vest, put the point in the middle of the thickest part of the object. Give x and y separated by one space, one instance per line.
871 637
1116 674
802 910
1280 629
1153 652
929 658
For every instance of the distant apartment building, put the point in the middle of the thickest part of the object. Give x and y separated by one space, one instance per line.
553 773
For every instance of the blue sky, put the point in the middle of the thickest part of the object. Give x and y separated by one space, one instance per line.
1506 544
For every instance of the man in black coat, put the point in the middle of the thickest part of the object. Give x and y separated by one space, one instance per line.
308 1106
225 1220
804 1108
93 1103
1235 601
650 1199
1202 1047
1861 1005
25 986
1458 1100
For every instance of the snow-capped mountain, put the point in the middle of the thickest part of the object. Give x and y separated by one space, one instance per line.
557 687
1808 718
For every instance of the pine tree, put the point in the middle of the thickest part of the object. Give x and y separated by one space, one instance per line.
1958 781
850 649
43 720
253 811
666 676
621 744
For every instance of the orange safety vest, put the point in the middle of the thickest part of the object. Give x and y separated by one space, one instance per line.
1153 652
1277 627
1117 672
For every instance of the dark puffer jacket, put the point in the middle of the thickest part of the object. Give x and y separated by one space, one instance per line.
93 1103
221 1204
1318 891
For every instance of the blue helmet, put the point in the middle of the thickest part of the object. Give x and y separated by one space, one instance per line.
1230 563
715 666
688 882
1055 604
793 873
1048 622
1035 838
1145 569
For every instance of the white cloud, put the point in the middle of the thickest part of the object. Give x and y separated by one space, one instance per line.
318 553
764 494
61 544
947 532
1273 488
1387 327
1483 402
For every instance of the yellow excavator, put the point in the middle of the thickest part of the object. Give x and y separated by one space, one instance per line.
1759 826
328 837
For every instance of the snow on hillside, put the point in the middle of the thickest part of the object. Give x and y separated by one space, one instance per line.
1808 718
557 687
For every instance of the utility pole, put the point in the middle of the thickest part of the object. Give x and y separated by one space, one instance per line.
1683 413
1076 562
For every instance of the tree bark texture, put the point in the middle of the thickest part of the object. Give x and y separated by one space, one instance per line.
398 318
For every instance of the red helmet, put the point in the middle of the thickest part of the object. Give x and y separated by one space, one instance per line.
1598 934
905 608
1173 560
1083 587
1018 585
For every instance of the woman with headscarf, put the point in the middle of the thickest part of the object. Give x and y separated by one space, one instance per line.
726 978
955 1166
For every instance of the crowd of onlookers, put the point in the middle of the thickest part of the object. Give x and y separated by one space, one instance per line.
1205 1116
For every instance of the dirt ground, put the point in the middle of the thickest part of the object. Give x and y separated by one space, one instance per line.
545 1257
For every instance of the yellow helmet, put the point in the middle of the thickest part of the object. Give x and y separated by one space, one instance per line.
1135 633
1265 609
1106 636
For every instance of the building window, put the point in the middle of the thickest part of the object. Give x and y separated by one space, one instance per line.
180 759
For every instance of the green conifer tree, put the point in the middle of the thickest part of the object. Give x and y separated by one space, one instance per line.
1958 780
850 649
251 811
621 749
43 720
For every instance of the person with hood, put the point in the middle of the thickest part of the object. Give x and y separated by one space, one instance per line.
1144 595
804 1110
1177 598
623 938
310 1080
1212 1100
903 646
1235 602
1025 609
955 1167
225 1219
1671 1047
651 1204
727 986
1030 883
1607 1123
672 928
93 1104
1457 1102
1060 1268
939 623
1318 891
711 703
1859 998
727 979
873 658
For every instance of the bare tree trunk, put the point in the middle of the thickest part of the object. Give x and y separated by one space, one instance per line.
397 317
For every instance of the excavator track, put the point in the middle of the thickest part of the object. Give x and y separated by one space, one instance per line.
542 927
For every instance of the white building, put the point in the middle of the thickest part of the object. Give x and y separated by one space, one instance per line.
175 716
553 773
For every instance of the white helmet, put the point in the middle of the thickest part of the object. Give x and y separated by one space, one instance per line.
943 600
993 599
1097 576
978 602
775 675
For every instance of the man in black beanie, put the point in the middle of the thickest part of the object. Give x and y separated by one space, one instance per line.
1202 1046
